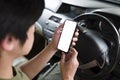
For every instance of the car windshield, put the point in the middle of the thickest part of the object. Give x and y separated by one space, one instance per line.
117 2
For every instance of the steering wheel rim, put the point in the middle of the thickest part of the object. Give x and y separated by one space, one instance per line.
113 51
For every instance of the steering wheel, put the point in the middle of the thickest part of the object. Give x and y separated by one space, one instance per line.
98 46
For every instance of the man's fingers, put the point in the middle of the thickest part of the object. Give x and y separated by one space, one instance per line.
59 29
73 52
76 33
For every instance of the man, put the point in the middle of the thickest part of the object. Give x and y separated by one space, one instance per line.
17 18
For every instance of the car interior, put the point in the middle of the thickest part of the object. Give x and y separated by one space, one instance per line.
98 42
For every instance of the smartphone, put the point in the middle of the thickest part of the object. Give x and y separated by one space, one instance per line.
67 35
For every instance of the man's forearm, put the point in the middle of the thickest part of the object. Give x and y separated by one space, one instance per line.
35 65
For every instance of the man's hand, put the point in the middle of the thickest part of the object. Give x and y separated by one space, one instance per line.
57 34
69 64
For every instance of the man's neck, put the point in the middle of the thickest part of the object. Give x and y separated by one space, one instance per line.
6 71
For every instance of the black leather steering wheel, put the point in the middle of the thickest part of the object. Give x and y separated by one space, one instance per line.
98 46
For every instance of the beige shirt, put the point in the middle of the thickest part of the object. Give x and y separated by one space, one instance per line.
19 75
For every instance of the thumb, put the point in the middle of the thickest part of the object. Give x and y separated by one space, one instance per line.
74 52
63 58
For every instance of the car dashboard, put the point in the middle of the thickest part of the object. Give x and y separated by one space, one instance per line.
100 18
56 12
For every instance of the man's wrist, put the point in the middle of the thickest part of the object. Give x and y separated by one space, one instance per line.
68 79
52 47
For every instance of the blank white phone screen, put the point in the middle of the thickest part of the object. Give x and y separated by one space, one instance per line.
67 35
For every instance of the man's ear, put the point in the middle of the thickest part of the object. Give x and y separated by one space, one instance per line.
8 43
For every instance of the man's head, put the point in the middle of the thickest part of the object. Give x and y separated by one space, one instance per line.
16 17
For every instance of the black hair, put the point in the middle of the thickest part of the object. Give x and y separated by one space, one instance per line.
16 16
